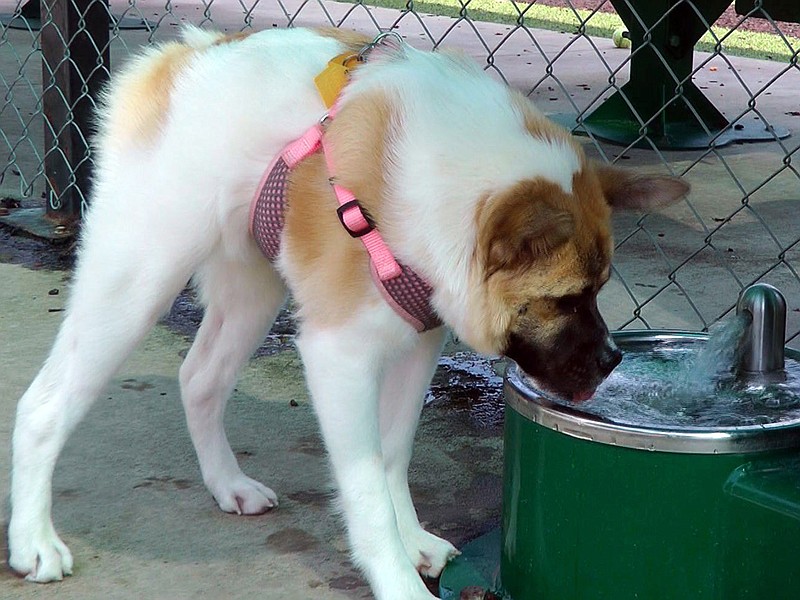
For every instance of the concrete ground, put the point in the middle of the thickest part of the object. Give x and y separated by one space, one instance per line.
129 500
128 497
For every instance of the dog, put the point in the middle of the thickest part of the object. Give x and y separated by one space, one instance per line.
495 210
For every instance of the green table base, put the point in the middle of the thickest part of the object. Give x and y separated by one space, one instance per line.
610 124
660 101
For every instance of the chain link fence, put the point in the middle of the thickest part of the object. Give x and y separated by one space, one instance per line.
701 81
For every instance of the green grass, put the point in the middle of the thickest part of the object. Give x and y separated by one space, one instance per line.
538 16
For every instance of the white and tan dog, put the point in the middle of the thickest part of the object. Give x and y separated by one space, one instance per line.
496 208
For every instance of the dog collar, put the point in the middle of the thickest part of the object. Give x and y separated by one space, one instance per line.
402 288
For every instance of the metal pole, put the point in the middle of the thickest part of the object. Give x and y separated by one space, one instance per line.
75 64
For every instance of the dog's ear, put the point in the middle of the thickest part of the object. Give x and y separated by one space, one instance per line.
522 228
625 190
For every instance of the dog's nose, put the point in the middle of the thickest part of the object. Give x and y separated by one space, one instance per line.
610 357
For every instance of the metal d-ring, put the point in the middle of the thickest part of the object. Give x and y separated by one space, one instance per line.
362 54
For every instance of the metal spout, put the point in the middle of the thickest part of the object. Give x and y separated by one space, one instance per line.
761 349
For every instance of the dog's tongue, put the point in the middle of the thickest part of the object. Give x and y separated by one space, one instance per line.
582 396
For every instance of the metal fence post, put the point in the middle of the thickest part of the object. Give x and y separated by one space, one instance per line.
75 62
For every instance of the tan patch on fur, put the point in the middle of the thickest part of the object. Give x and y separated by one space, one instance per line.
537 124
233 37
525 223
535 243
351 40
596 224
358 137
142 95
330 269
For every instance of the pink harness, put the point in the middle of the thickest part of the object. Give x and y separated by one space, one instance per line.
405 291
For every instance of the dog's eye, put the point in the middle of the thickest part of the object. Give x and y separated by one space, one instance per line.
570 304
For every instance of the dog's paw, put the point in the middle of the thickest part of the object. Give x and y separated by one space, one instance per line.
428 552
244 496
40 558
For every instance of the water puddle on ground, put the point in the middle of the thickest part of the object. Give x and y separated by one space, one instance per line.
472 385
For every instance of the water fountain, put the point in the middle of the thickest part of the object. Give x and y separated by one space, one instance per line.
680 479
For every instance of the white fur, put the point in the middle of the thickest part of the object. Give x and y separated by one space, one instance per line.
176 207
461 141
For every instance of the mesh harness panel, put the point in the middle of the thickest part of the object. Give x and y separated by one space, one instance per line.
407 293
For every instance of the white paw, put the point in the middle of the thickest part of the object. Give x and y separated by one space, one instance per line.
243 496
42 557
428 552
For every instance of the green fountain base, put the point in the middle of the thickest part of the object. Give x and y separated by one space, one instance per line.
477 568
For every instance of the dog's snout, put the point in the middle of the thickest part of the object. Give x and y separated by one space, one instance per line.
610 357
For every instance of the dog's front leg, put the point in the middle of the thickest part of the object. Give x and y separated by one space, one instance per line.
344 368
405 381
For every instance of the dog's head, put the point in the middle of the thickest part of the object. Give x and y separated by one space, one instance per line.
542 255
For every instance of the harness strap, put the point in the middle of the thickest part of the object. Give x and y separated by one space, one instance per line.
350 212
358 225
303 147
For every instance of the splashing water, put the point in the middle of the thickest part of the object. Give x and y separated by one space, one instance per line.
691 383
717 358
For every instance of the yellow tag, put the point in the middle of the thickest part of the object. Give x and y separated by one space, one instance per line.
333 78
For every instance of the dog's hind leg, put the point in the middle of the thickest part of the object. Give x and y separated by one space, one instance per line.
402 395
242 300
120 289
